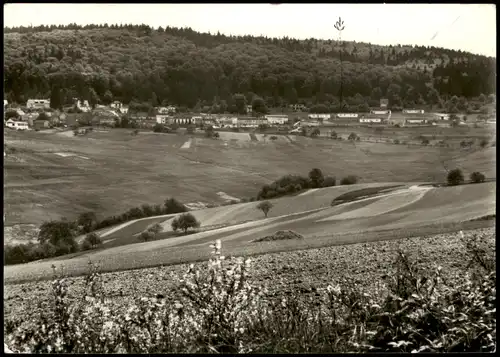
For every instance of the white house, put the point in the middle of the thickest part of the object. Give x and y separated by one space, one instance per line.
370 120
82 105
413 111
442 116
17 125
415 121
380 112
162 118
347 115
123 109
166 110
38 103
319 116
277 119
116 104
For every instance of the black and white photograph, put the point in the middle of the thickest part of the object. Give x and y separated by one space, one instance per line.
270 178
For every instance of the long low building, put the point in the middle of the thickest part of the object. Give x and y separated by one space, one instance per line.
277 119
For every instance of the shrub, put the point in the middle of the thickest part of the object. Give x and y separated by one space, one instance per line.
455 177
477 177
315 133
265 207
184 222
93 239
174 206
352 137
349 180
329 181
273 137
425 141
483 143
146 236
333 135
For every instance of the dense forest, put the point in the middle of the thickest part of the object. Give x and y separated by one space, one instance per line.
186 68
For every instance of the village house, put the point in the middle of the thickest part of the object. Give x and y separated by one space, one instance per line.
180 120
17 124
116 104
162 118
277 119
231 122
38 104
250 122
347 115
319 116
166 110
139 116
82 105
370 120
297 107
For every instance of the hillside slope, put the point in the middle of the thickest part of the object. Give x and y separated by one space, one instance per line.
187 68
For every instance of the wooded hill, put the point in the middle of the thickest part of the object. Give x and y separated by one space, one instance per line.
183 67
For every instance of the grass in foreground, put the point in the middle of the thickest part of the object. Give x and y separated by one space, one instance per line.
217 309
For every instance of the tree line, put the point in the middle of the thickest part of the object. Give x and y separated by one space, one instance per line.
139 64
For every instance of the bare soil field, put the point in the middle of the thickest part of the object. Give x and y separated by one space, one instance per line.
307 271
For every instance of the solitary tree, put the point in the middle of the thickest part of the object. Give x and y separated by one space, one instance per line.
184 222
352 137
477 177
315 132
155 228
333 134
146 236
265 207
316 177
455 177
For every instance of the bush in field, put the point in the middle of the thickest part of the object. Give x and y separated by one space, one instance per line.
396 141
425 141
477 177
352 137
174 206
184 222
455 177
315 133
91 241
329 182
349 180
146 236
265 207
273 137
483 143
333 134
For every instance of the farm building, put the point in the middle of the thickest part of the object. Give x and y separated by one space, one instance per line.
180 120
228 121
138 116
17 124
415 121
319 116
370 120
38 103
347 115
277 119
251 122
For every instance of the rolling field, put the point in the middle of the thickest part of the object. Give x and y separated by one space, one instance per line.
112 171
406 211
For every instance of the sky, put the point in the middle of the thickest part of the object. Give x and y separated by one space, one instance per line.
467 27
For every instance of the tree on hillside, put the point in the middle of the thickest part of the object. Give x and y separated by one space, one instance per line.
184 222
455 177
265 207
173 206
56 100
477 177
57 233
240 103
349 180
86 220
93 240
316 177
